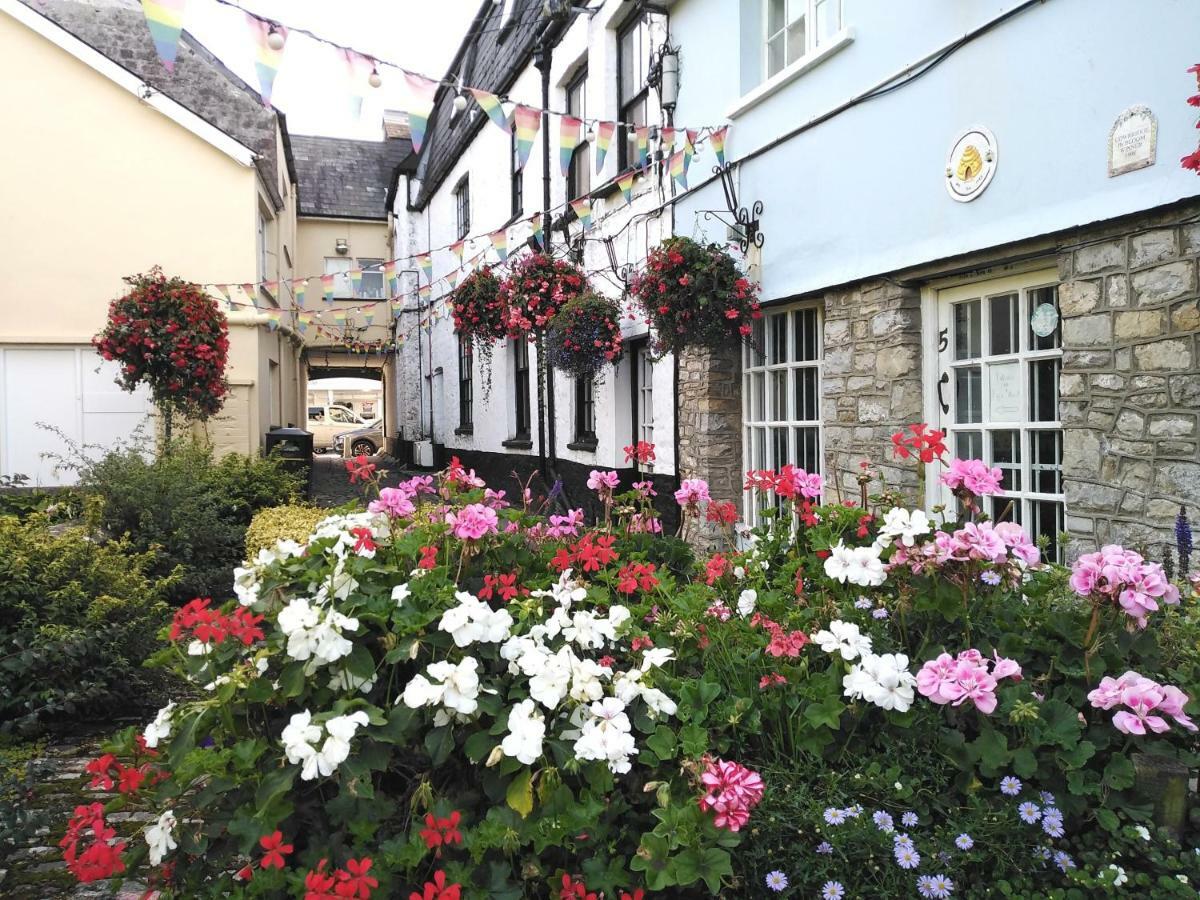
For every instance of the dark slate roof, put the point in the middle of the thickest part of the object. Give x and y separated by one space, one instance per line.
490 58
345 178
201 83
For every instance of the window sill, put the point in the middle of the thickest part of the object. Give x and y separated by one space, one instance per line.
464 430
782 79
584 446
517 443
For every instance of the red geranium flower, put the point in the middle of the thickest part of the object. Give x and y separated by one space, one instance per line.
275 849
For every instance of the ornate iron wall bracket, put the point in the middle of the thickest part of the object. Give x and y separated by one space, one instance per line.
623 273
745 220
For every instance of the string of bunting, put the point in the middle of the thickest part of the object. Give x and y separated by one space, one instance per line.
165 20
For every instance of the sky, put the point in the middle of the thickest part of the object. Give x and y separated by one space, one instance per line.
313 88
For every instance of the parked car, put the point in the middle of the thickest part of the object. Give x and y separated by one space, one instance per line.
326 422
365 441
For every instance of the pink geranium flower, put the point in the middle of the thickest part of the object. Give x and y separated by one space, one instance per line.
1123 578
472 522
1147 703
955 680
692 492
973 476
395 502
732 791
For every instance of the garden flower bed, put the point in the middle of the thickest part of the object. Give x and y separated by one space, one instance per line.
457 694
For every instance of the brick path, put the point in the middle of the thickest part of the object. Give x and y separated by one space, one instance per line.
331 485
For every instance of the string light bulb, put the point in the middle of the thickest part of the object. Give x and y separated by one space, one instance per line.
631 135
460 102
591 133
274 39
374 79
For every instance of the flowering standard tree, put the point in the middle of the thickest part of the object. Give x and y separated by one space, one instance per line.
585 335
453 694
171 336
695 295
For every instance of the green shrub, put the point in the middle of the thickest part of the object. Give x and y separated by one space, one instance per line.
275 523
193 508
77 619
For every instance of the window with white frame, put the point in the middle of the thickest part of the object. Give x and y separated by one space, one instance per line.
999 357
794 28
372 279
579 174
643 372
339 267
462 207
781 395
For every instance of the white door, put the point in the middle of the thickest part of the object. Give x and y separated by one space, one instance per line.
999 357
52 397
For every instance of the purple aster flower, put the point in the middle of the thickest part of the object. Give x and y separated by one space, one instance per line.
989 577
940 886
964 842
907 857
903 840
883 821
925 885
835 816
825 848
1029 813
1047 798
1053 827
1010 786
777 881
832 890
1063 860
853 812
863 603
910 819
880 613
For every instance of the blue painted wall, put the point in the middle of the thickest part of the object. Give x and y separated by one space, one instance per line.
864 193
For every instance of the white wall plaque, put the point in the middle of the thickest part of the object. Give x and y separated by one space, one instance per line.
1004 383
1132 141
970 164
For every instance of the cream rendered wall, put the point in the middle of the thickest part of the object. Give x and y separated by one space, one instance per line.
101 186
315 240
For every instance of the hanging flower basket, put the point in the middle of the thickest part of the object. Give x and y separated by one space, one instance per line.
695 295
585 336
476 307
536 290
171 336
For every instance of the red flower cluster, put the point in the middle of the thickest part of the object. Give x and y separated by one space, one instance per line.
591 554
716 566
476 307
694 295
438 889
722 513
642 452
364 541
771 680
574 890
360 469
535 291
585 335
919 441
788 483
502 586
198 620
107 772
274 850
168 334
634 576
1192 160
782 643
428 557
354 881
100 857
439 832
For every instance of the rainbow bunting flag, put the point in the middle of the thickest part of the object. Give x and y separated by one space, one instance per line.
625 183
397 308
224 291
327 287
689 146
425 261
667 141
604 136
457 249
499 239
299 285
718 144
358 70
339 316
389 275
272 319
536 221
272 287
583 209
491 105
266 58
568 139
527 120
355 282
678 169
302 321
420 106
369 314
251 292
452 278
423 291
165 20
643 146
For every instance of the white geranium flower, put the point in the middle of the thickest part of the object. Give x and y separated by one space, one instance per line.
526 731
344 680
656 657
336 748
549 686
160 728
902 525
400 593
473 621
747 601
299 738
1143 832
199 648
856 565
606 736
246 585
1120 877
883 680
844 638
585 679
421 692
159 837
627 687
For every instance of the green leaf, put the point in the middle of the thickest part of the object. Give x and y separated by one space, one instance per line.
438 743
519 795
1059 724
291 680
694 740
662 742
1024 763
276 783
827 713
1119 773
478 746
360 662
991 749
1108 820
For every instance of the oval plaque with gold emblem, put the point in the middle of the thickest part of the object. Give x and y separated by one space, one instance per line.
970 164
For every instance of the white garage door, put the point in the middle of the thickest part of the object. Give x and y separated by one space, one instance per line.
70 390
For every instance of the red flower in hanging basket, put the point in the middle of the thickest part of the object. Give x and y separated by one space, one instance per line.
585 335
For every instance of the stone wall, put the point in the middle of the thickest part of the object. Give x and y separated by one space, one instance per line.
1130 386
871 383
709 407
